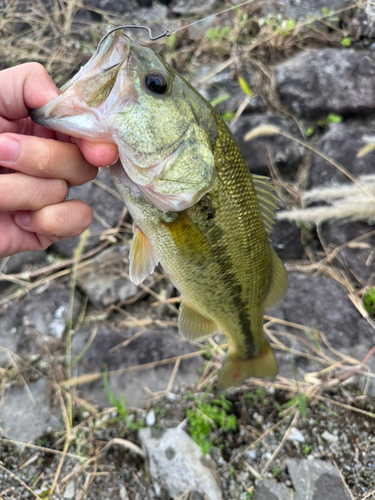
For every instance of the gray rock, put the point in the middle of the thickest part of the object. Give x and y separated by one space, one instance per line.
322 303
191 7
226 83
316 480
271 490
105 204
297 9
70 490
314 84
153 345
24 416
330 438
116 6
102 281
285 240
362 23
150 418
27 323
296 435
287 155
178 464
25 260
342 142
357 258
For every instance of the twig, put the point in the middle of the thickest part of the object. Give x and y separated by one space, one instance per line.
20 481
343 480
285 437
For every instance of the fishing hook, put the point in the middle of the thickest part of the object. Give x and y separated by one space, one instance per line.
167 32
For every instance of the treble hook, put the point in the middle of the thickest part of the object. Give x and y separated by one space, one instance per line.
167 32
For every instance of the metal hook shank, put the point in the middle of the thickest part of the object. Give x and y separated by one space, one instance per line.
131 26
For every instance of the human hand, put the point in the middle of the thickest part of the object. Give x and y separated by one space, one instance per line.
33 213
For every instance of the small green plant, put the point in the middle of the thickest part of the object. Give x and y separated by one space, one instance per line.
219 99
119 405
331 118
231 471
306 449
122 413
218 33
259 392
228 116
208 416
346 42
330 15
245 86
369 300
309 131
276 470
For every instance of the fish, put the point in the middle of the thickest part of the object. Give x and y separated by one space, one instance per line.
196 208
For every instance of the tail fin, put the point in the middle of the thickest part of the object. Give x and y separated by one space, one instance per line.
235 370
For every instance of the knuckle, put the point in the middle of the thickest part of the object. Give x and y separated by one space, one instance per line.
36 68
61 189
45 157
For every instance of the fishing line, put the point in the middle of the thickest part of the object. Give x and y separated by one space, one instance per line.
211 15
169 32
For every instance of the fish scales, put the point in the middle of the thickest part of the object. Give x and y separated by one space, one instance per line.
194 204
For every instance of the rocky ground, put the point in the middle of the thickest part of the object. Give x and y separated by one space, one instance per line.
100 396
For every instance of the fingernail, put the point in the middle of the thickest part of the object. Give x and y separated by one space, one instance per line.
23 218
9 149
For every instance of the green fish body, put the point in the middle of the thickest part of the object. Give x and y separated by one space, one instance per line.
196 208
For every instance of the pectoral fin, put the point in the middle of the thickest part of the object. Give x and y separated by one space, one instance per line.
192 325
235 370
142 257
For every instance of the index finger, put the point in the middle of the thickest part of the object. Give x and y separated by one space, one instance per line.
25 87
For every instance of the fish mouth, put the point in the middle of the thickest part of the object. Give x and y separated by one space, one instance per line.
84 98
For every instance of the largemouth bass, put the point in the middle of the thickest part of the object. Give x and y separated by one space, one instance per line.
196 208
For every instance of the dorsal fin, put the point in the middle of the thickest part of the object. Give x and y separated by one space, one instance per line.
264 187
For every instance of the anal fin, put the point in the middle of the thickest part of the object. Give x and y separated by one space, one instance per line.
279 282
142 257
236 369
192 325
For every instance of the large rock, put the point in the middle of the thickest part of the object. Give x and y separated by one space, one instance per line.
36 318
178 465
285 240
107 206
154 345
25 412
342 142
191 7
271 490
362 23
297 9
102 280
321 303
287 155
314 84
357 257
25 261
316 480
122 7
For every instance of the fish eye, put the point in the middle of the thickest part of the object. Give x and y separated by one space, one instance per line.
156 83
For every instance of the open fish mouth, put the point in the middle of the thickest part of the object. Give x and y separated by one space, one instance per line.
84 98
